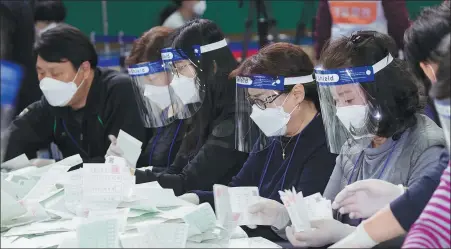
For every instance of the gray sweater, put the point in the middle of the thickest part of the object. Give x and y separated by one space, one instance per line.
418 148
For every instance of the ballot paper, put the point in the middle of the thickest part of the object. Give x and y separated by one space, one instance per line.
165 235
239 199
226 218
130 146
17 163
17 190
35 213
46 183
98 233
201 219
56 205
302 210
318 208
102 189
42 228
152 199
52 240
10 207
120 214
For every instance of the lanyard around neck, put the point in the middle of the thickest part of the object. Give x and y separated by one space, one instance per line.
289 160
383 169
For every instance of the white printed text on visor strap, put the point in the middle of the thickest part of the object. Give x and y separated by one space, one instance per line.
352 74
277 83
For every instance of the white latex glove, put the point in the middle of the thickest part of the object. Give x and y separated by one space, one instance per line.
274 213
191 198
364 198
357 239
114 150
323 232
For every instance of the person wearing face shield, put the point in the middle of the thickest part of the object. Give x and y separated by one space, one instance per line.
183 12
278 121
164 134
197 65
393 220
425 46
370 103
82 104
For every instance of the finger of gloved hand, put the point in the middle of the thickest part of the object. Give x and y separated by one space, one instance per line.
344 194
351 199
289 231
252 226
113 139
356 215
349 208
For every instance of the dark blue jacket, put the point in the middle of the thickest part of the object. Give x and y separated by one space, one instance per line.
309 170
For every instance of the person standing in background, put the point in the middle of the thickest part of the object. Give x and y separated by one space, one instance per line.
175 16
47 14
17 31
335 19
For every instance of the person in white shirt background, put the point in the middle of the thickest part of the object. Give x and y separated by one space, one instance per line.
48 14
183 11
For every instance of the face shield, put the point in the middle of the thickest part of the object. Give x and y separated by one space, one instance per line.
151 88
260 116
11 78
349 114
186 86
443 110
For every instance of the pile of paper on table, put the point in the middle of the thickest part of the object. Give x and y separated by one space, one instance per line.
100 206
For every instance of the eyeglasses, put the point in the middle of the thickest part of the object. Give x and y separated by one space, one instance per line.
262 103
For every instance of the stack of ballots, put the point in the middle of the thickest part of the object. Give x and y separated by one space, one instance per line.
100 206
302 210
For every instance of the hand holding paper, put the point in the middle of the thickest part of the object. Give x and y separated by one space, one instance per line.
125 146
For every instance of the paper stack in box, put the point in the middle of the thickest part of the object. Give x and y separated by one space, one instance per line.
302 210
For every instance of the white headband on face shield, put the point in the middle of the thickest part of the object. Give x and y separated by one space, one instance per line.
213 46
298 80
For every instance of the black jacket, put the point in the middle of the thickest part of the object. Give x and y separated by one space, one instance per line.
17 38
216 162
110 106
162 147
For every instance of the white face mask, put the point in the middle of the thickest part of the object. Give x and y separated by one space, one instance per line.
272 121
352 116
59 93
185 88
158 95
200 7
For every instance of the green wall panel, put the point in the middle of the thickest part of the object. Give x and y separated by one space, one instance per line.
134 17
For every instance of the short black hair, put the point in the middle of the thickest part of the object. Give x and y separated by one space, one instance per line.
65 42
395 92
422 39
49 10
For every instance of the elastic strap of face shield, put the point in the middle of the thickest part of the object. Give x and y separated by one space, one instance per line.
382 63
198 50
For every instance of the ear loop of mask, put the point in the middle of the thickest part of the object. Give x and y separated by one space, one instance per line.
433 73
